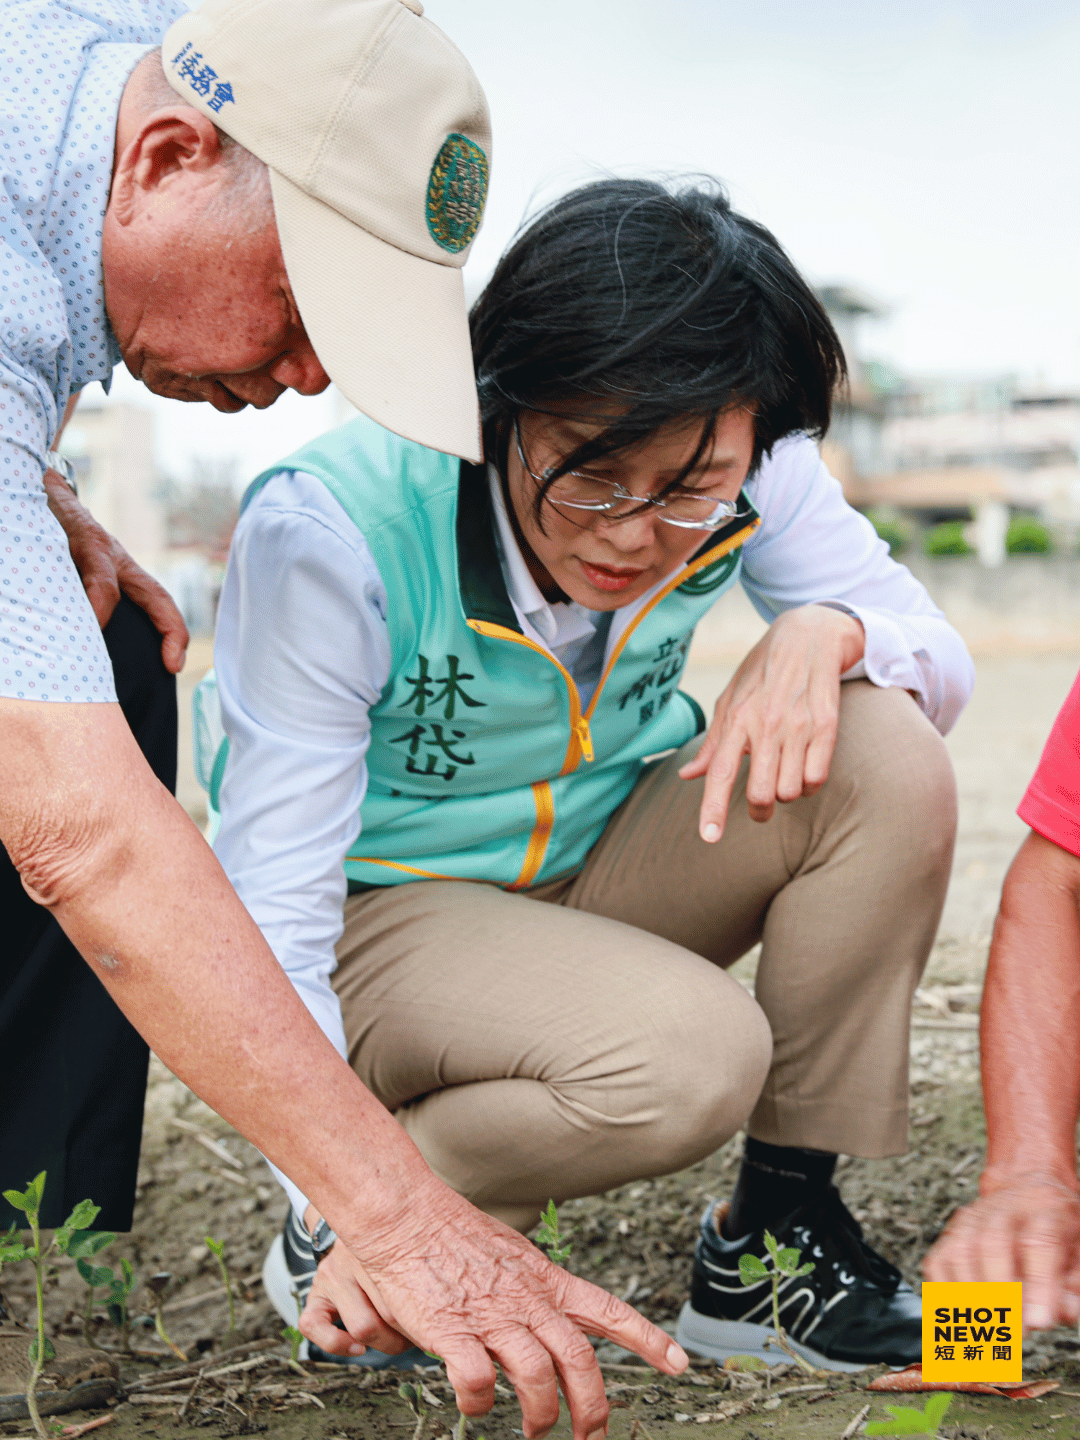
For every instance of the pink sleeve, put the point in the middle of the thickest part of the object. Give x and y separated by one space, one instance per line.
1052 802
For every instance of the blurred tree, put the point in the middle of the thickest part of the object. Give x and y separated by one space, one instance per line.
1027 536
947 539
892 530
201 514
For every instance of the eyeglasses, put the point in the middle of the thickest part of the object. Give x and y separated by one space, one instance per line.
577 491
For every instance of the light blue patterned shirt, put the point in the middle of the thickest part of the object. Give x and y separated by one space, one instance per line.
63 68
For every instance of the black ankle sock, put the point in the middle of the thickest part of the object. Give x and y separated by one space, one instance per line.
773 1181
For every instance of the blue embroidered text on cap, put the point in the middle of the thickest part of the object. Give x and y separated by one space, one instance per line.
457 189
203 79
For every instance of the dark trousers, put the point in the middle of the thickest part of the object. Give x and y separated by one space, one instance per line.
72 1069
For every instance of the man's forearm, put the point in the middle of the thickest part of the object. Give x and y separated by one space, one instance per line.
139 892
1031 1020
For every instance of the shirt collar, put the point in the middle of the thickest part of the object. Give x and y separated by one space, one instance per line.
562 621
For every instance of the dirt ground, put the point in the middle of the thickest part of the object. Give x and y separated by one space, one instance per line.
198 1177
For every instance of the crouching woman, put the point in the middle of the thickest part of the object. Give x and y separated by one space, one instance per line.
476 817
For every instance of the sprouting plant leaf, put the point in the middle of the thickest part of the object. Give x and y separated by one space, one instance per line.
752 1270
48 1352
120 1287
11 1248
217 1249
94 1275
17 1200
745 1363
909 1421
85 1243
549 1238
81 1218
411 1394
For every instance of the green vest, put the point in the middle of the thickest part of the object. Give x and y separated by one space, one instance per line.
483 764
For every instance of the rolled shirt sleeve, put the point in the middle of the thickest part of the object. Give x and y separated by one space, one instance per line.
812 547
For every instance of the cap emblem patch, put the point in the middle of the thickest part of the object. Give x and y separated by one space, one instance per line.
457 189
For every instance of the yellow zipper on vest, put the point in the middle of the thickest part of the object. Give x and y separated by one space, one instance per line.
709 558
544 801
580 734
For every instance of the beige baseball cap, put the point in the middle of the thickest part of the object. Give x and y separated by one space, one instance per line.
377 138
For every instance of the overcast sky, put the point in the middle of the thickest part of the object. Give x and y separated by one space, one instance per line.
924 151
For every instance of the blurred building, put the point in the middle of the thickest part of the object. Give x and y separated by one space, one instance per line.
180 535
853 446
983 449
112 449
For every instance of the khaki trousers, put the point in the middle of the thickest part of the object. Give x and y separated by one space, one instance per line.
566 1040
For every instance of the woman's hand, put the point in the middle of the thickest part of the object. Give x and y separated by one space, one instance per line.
781 709
472 1291
1026 1229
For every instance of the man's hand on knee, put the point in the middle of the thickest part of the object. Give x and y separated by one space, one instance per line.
472 1291
781 708
1029 1231
107 571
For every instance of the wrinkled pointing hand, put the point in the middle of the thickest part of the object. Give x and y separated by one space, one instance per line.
472 1291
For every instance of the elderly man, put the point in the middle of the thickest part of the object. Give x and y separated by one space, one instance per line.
1025 1224
284 193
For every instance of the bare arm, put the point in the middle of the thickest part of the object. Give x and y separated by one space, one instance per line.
104 846
1026 1223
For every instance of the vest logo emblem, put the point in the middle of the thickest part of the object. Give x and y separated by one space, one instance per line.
457 189
711 577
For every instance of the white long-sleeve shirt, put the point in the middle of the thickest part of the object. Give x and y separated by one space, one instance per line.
303 651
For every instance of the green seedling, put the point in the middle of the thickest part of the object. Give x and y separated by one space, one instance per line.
549 1238
217 1249
909 1421
116 1300
12 1249
785 1266
411 1394
85 1244
157 1285
295 1337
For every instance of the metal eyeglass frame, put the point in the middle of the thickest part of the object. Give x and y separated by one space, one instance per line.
725 509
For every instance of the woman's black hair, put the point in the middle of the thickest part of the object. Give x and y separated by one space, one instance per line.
637 305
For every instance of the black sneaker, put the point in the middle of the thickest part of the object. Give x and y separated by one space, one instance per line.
854 1309
287 1273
